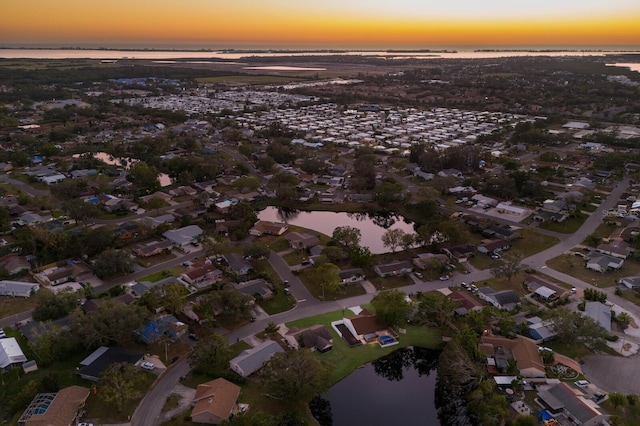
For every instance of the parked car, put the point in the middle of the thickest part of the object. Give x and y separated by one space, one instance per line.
148 366
193 337
418 274
464 285
444 278
581 383
495 256
286 283
474 287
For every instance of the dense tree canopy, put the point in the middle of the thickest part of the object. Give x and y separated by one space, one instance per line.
391 307
295 375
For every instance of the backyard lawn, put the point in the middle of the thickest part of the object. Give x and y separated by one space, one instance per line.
343 359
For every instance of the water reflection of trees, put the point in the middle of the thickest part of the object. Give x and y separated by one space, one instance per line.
392 366
383 220
286 214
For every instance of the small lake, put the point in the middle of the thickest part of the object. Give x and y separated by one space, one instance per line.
371 227
398 389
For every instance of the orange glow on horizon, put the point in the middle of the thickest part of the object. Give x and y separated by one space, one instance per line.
189 22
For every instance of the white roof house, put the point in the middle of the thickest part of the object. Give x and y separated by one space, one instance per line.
10 353
183 236
18 288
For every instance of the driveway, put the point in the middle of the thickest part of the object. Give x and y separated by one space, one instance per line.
368 287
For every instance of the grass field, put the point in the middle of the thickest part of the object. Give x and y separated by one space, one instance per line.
14 305
574 266
569 226
532 242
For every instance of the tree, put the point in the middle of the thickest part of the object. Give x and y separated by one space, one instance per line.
392 238
54 343
623 319
145 177
112 323
117 384
388 193
210 354
257 251
246 184
435 310
408 240
347 236
361 257
617 399
507 267
391 307
295 376
574 327
172 296
327 276
228 302
334 254
80 210
112 262
51 306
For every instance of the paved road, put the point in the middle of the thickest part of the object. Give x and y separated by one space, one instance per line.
149 409
25 187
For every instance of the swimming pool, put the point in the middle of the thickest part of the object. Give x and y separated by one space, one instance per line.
386 340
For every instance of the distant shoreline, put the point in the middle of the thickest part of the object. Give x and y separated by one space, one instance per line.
294 51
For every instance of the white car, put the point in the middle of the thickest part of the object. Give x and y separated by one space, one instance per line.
148 366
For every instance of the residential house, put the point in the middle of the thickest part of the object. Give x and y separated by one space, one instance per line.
393 268
501 232
152 248
259 289
127 230
364 327
92 305
599 312
251 360
460 252
183 236
93 365
201 274
238 264
618 248
603 262
501 352
302 240
160 328
632 282
158 194
18 288
11 354
539 330
57 408
562 398
154 222
465 302
265 227
215 401
430 261
535 282
182 190
504 299
317 338
33 330
350 276
490 247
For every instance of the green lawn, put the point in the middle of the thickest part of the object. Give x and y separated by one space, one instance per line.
295 258
279 303
532 242
308 279
604 230
574 266
343 360
569 226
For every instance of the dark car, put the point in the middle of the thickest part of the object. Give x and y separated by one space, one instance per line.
286 283
193 336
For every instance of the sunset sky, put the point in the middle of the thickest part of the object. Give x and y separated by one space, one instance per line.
324 23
